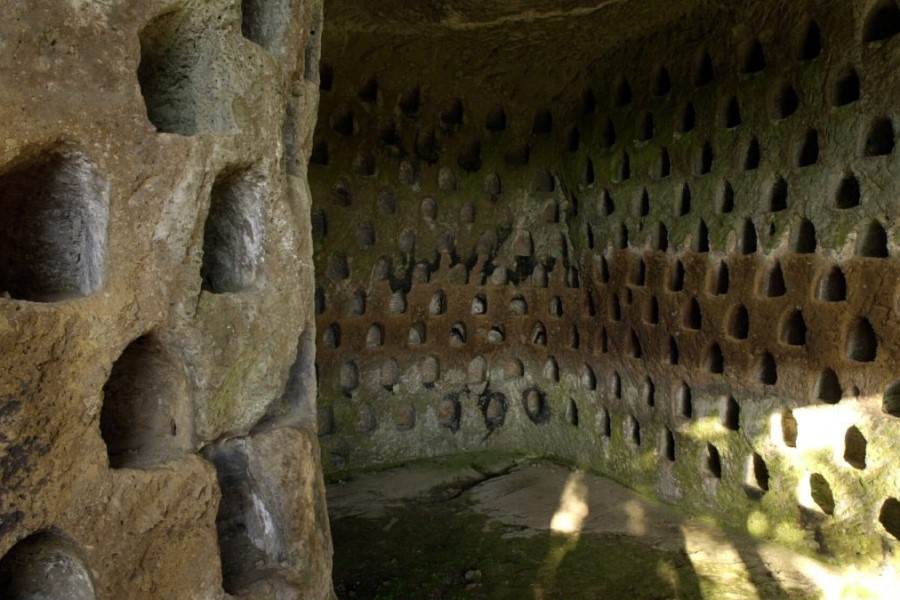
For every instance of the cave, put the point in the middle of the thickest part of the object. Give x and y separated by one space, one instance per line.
561 299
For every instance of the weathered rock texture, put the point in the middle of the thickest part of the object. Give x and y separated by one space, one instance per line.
155 258
656 239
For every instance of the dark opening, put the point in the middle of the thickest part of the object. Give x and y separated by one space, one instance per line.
683 401
754 60
145 417
649 390
676 277
846 88
747 241
703 69
752 159
862 343
624 171
855 448
848 193
828 387
469 158
715 362
833 286
623 93
662 84
368 90
664 166
773 283
821 493
644 204
704 161
811 43
669 445
53 233
45 565
786 103
635 431
778 195
608 135
692 315
889 516
890 403
701 239
233 236
882 22
496 120
452 114
673 351
731 414
739 323
684 205
804 241
661 239
587 174
651 315
719 280
688 119
872 242
809 150
713 461
726 198
793 329
169 53
410 102
880 140
760 473
731 115
542 123
343 123
767 371
645 132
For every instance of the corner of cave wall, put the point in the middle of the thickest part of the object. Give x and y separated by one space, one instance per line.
158 396
669 258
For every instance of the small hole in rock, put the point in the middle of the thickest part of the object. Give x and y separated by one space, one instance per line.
846 88
739 323
833 286
767 371
821 493
872 242
752 158
713 461
862 343
855 448
882 22
828 387
754 60
811 43
809 150
880 139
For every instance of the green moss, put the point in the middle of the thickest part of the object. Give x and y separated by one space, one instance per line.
425 550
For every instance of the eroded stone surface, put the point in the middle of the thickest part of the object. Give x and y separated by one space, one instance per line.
691 208
158 281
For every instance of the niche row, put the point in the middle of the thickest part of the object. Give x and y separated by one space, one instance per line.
169 74
54 239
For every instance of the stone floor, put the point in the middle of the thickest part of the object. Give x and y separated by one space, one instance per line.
517 528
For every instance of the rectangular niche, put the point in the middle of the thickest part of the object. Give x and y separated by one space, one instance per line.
146 414
233 237
53 234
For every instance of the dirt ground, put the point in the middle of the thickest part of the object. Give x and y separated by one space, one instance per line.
514 528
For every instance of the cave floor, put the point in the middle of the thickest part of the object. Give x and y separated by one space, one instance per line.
515 528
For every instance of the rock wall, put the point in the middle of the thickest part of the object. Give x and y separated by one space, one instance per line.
657 242
157 396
